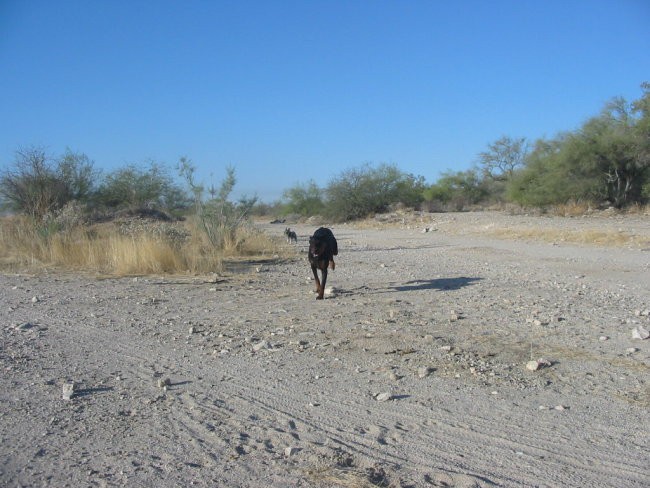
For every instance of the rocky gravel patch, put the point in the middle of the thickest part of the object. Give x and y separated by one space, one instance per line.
460 356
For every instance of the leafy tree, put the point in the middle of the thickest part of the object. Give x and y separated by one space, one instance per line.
612 142
607 159
456 190
79 175
503 157
359 192
305 200
135 188
554 174
38 185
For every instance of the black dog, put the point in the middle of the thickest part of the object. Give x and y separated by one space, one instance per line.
322 249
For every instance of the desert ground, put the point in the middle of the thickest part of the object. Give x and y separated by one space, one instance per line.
453 350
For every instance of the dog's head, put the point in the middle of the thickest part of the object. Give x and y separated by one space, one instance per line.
286 231
317 246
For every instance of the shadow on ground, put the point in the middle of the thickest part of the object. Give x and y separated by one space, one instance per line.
439 284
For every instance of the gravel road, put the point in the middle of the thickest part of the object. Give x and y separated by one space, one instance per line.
468 355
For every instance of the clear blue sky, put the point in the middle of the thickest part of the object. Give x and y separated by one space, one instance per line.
288 91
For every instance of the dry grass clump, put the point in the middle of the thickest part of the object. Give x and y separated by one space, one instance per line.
571 209
585 236
127 247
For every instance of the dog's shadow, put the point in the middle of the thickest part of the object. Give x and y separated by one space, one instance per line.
440 284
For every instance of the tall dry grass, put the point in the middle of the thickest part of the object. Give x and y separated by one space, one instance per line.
123 248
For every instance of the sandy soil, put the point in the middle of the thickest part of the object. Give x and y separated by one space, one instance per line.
412 373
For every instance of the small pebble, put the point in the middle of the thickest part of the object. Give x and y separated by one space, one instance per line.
383 397
290 451
68 391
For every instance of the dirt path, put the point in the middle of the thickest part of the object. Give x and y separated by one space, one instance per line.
413 373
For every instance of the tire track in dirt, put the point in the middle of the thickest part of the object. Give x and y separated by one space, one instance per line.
233 407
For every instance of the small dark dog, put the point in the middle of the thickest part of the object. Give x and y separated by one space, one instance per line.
322 249
291 235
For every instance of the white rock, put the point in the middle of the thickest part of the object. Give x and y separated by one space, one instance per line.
290 451
164 383
424 371
640 333
383 397
393 376
537 364
68 391
631 350
603 338
35 300
261 345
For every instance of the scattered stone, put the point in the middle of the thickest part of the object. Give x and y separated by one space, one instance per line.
454 316
290 451
192 330
446 348
631 350
261 345
383 397
393 376
640 333
68 391
163 383
35 300
538 364
330 291
424 371
560 408
603 338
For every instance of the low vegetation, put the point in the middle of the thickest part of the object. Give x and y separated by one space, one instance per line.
604 163
64 212
131 246
134 222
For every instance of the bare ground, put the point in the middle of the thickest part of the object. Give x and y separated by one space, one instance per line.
411 374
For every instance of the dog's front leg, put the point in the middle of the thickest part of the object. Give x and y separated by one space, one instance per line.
321 291
315 271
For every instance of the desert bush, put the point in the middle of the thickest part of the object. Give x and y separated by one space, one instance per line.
362 191
135 188
37 184
218 219
304 200
605 160
455 191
